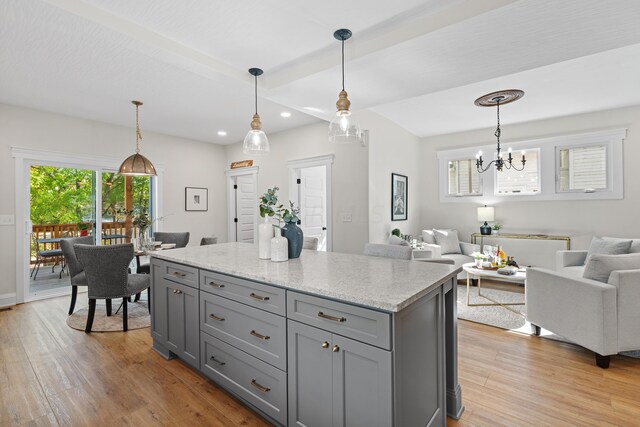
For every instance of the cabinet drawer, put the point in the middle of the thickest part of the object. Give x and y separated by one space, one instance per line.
369 326
180 273
259 383
254 294
261 334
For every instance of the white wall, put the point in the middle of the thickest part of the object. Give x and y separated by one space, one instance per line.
350 176
187 163
579 219
391 150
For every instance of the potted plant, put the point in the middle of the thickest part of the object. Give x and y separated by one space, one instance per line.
83 228
396 232
291 231
479 257
267 247
497 227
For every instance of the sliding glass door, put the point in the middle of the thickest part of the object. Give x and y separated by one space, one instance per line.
75 200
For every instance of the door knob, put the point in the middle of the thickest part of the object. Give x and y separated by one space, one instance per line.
335 348
325 345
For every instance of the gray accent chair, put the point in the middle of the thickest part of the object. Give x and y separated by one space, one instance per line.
310 243
181 239
388 251
76 271
107 273
602 317
208 241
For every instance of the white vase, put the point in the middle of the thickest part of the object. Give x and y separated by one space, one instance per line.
265 234
279 249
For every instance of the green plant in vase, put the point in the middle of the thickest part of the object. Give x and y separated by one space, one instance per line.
293 233
396 232
268 208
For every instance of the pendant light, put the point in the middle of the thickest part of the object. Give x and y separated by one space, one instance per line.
256 141
495 99
137 164
344 128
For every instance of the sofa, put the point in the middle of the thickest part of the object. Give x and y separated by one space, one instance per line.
591 299
444 243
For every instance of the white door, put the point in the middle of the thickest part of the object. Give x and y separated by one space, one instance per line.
313 203
243 205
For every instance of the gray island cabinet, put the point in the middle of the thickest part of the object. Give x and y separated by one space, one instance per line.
328 339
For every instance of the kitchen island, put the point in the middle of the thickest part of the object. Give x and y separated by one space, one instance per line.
325 339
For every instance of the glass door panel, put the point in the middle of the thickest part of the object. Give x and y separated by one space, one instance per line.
62 204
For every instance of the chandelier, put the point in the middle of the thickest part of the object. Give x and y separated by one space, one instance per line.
491 100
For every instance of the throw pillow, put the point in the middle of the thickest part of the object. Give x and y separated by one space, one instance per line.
599 266
635 246
428 237
608 246
448 241
395 240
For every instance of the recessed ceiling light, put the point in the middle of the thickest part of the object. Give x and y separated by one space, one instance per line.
285 114
222 133
314 109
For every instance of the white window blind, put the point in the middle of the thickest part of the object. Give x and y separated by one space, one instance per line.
583 168
527 181
463 178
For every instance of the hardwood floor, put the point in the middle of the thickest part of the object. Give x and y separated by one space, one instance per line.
51 374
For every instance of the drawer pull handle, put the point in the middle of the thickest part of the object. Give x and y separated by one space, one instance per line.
325 344
258 386
262 337
176 273
334 318
216 285
259 297
214 317
335 348
219 363
177 291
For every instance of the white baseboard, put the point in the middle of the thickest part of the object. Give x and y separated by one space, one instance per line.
7 300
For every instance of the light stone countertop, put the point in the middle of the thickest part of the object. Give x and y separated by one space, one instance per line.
382 283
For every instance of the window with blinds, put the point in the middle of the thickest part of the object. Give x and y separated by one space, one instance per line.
526 181
463 178
582 168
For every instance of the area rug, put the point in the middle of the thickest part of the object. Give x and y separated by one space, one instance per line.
511 318
138 318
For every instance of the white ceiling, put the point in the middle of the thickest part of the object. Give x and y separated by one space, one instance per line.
420 63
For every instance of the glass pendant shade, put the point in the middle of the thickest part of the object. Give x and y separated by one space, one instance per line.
137 165
344 128
256 141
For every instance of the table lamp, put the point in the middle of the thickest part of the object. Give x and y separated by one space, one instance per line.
485 214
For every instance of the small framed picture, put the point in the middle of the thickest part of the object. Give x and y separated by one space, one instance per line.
196 199
399 192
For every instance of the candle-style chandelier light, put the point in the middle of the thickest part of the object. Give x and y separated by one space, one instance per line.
495 99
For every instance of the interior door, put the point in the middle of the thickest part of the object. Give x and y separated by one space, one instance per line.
313 203
246 203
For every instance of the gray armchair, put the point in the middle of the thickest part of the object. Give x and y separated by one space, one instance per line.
310 243
106 269
208 241
76 272
388 251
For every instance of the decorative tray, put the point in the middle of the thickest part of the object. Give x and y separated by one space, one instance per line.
487 268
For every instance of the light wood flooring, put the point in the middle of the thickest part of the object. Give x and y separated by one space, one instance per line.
51 374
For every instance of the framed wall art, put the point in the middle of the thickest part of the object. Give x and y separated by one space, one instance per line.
399 193
196 199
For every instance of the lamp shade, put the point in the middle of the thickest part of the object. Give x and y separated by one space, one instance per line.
485 213
137 165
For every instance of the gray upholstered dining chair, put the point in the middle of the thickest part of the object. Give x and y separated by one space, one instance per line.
310 243
388 251
107 272
76 272
208 241
179 238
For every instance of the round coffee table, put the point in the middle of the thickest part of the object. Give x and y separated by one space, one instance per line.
474 272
